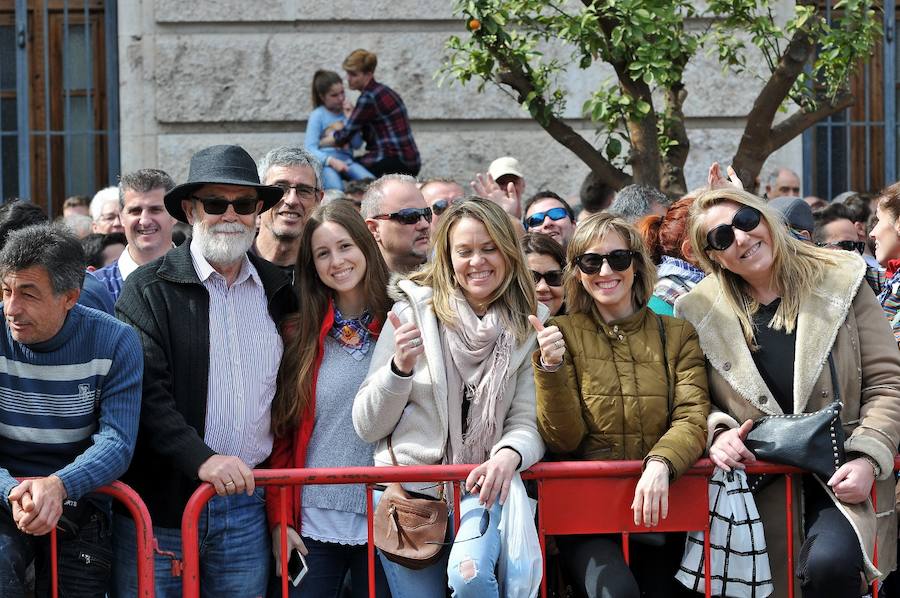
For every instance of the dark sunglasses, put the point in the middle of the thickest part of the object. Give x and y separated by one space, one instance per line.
217 205
442 205
618 260
407 215
553 278
721 237
857 246
537 218
482 530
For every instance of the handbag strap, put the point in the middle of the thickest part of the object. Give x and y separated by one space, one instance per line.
669 391
834 379
391 449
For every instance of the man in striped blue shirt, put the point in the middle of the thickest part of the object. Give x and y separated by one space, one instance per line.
70 383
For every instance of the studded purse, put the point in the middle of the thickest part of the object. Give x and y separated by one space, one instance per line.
810 441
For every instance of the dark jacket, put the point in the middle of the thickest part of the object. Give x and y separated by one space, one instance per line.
169 307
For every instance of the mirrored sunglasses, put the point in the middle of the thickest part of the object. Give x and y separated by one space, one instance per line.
442 205
217 205
537 218
553 278
407 215
721 237
618 260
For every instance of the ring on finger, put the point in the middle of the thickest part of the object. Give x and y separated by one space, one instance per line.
415 342
558 344
229 483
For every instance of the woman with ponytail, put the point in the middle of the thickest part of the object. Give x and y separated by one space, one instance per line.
670 249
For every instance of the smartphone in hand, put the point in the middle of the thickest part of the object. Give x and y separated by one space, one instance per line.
296 567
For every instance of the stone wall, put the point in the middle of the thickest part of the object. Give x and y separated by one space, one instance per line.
198 73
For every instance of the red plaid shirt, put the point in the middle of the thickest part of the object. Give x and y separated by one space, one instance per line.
381 116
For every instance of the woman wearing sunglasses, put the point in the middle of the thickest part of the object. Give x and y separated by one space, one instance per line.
451 382
886 234
669 248
342 280
546 261
812 333
616 381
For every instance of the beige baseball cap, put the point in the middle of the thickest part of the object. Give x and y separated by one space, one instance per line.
505 165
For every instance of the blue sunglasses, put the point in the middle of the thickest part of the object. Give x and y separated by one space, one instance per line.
537 218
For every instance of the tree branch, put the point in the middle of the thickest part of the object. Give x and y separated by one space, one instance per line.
566 135
672 182
800 120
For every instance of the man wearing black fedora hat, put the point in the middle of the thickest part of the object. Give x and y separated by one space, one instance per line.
208 314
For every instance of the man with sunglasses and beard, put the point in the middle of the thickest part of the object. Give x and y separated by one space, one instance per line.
398 218
835 229
208 314
440 193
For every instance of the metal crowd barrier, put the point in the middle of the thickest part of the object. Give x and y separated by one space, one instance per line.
143 531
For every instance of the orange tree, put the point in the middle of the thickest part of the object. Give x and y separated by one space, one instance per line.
524 46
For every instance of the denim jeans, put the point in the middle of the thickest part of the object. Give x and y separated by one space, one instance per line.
84 554
332 179
328 564
234 551
470 548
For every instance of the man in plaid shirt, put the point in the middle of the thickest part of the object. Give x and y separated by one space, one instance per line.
381 116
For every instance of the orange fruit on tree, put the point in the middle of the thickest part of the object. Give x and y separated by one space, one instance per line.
474 24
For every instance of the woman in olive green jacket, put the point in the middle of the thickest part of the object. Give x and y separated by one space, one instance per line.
616 381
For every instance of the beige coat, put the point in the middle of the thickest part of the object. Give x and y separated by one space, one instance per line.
843 316
425 422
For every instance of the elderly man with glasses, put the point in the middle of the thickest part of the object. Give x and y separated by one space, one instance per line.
208 314
299 175
399 219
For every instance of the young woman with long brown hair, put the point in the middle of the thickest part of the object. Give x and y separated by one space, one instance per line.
342 280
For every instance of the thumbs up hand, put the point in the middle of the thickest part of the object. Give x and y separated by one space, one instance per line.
407 344
550 340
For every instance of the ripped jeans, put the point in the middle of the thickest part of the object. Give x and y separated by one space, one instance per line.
468 567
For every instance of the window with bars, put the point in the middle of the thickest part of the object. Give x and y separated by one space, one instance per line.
58 99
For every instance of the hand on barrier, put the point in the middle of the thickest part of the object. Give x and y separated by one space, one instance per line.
39 504
407 344
229 475
651 496
728 449
293 541
852 482
550 340
493 477
508 199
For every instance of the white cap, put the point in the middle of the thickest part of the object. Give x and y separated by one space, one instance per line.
503 166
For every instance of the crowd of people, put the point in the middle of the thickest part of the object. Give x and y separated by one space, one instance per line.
319 307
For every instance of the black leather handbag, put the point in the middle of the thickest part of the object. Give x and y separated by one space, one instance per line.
810 441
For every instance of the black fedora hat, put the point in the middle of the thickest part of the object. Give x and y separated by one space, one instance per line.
221 165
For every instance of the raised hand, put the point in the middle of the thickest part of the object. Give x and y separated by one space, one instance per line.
715 180
407 344
550 340
508 199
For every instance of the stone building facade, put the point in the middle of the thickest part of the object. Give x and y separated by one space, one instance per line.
192 74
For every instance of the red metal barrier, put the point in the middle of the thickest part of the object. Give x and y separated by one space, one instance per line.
143 531
556 481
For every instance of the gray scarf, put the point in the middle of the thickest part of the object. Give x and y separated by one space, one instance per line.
477 359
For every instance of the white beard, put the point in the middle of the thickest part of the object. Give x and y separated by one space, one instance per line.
223 249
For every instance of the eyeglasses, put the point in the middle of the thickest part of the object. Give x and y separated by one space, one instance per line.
219 205
442 205
618 260
482 530
721 237
537 218
303 191
407 215
857 246
553 278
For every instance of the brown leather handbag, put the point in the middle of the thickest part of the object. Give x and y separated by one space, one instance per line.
409 531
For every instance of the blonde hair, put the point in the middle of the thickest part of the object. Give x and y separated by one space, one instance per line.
797 266
515 293
360 61
592 230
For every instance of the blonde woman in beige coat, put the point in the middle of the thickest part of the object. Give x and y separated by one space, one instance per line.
451 381
794 305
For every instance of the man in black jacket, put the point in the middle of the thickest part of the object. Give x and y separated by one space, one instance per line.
208 315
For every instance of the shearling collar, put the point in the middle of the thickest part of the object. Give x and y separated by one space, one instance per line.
821 316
